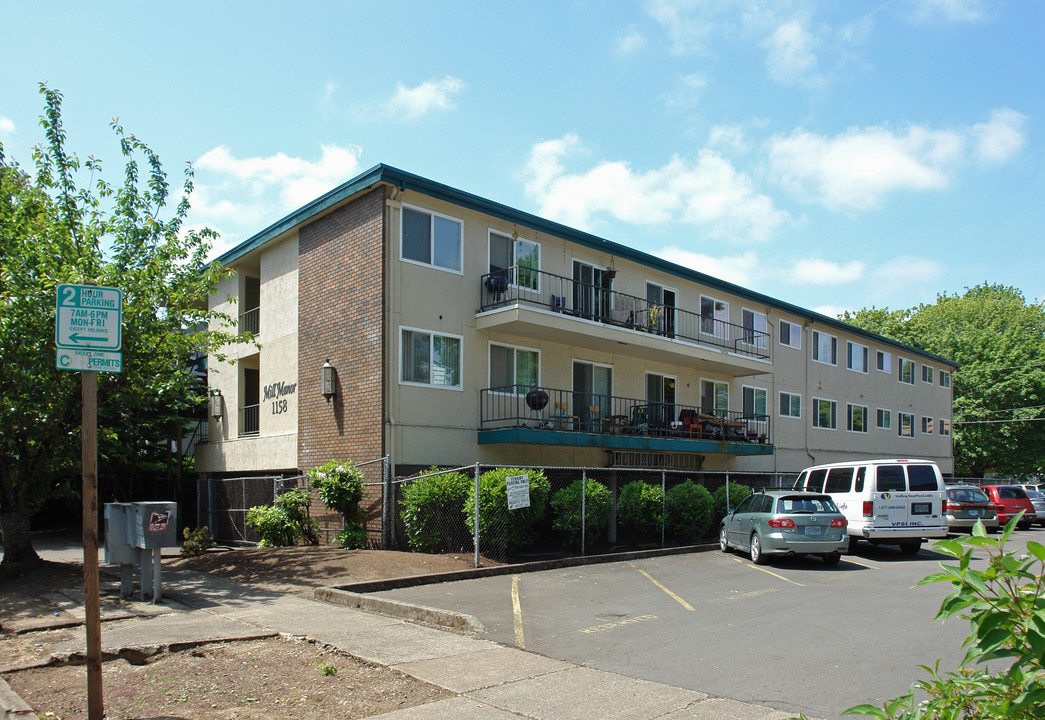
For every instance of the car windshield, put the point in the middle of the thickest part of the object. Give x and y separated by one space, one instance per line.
1012 493
793 504
967 495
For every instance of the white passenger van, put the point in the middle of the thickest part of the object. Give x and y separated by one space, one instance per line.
885 501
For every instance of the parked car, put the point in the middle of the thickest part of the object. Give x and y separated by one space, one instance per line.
785 523
965 505
1008 501
1037 499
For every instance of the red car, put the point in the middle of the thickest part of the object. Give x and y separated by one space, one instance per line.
1008 501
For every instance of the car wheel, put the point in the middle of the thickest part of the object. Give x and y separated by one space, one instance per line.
1024 525
723 543
852 542
757 556
831 559
910 548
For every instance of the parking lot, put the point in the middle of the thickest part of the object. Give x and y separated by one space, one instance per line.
794 635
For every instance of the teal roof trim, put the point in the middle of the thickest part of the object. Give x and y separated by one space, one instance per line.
408 181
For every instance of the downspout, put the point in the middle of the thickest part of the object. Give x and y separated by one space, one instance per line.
807 353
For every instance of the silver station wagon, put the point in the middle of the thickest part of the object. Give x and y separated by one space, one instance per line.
786 523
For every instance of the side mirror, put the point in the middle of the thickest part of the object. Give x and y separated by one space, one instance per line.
730 511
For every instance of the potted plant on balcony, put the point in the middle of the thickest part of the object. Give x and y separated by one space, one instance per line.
653 313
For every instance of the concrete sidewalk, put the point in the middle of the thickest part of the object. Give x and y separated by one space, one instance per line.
488 680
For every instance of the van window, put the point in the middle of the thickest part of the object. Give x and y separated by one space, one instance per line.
890 479
921 478
860 472
800 483
839 480
815 482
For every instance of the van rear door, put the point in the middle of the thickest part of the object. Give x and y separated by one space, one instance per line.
891 507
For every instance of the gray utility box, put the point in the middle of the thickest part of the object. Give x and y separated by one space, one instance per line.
155 525
134 535
118 550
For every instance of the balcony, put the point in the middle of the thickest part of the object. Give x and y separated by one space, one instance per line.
543 305
548 416
249 416
249 321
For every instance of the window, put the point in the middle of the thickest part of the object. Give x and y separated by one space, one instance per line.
754 402
890 479
856 357
714 314
922 478
885 419
857 418
945 379
430 359
714 397
945 427
790 334
755 328
514 370
431 239
905 428
927 374
660 310
824 415
884 361
927 425
839 480
790 405
907 371
515 258
825 348
660 396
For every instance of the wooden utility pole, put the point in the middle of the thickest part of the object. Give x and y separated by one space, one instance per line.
92 600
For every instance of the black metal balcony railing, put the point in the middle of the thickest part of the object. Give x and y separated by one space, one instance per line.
521 285
249 417
552 409
249 321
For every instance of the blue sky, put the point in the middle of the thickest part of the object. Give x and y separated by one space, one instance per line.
836 155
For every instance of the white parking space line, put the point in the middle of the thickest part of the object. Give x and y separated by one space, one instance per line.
769 572
672 595
847 559
520 640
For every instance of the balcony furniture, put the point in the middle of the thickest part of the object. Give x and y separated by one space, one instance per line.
496 285
639 423
537 400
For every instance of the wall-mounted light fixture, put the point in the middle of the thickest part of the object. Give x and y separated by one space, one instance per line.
216 404
328 381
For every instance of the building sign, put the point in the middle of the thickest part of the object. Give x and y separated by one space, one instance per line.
518 487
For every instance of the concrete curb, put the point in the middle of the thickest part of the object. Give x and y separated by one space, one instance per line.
406 611
13 707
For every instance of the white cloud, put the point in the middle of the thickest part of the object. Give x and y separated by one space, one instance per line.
830 310
729 136
948 10
816 271
693 25
7 126
790 58
900 274
629 42
744 269
431 95
856 169
710 194
1002 136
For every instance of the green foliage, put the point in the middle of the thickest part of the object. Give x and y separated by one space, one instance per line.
284 522
996 337
432 511
1005 606
567 506
328 670
504 532
351 537
196 542
340 487
688 507
719 508
640 510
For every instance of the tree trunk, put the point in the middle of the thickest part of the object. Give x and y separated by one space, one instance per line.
19 554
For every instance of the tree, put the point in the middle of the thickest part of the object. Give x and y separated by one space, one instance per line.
54 230
998 339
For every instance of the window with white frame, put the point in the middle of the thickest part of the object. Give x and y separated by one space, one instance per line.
756 328
905 426
714 397
945 427
927 425
825 414
754 402
825 348
884 419
945 379
907 371
515 258
430 238
884 361
714 315
856 420
514 370
429 358
790 405
856 357
790 334
927 374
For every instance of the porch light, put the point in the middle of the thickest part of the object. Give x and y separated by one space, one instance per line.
328 381
216 404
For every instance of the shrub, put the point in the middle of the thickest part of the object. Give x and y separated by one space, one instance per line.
197 541
433 511
340 487
737 492
688 507
567 506
640 509
503 532
285 521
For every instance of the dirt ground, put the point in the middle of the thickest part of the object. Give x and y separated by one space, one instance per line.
244 680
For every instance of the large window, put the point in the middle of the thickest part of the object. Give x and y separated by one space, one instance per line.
907 371
430 359
885 419
790 334
825 415
790 405
660 313
507 252
714 314
856 357
514 370
756 327
856 420
905 428
431 239
714 397
754 402
825 348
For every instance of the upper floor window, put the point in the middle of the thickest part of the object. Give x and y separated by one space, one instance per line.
945 427
905 428
857 418
714 397
513 369
927 374
755 328
790 405
754 402
907 371
430 359
825 348
790 334
945 379
431 239
515 258
884 361
825 414
885 419
714 314
856 357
